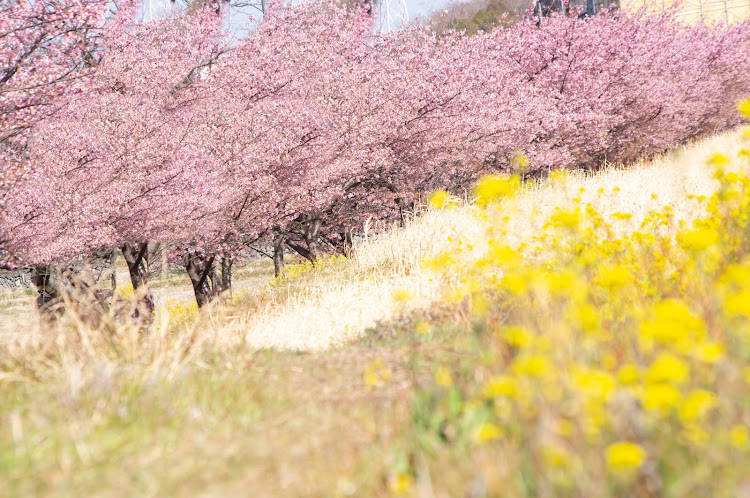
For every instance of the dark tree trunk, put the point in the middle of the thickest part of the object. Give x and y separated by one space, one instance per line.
81 291
312 238
202 273
225 286
136 256
302 251
48 302
73 286
401 213
278 253
346 243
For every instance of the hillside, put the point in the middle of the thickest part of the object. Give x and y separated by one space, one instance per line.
367 377
338 303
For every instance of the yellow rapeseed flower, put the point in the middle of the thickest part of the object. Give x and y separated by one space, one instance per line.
376 373
622 216
566 283
567 218
518 336
400 484
558 176
499 385
738 304
441 261
488 432
587 317
531 365
440 199
696 405
503 255
490 188
614 276
624 457
519 162
371 379
707 351
718 159
422 327
480 305
668 368
699 239
628 374
402 295
565 428
738 436
443 377
672 323
743 107
594 384
695 434
556 457
660 398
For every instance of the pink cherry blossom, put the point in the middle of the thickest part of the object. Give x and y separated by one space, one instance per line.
182 137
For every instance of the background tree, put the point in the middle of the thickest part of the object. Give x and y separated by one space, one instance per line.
314 123
48 48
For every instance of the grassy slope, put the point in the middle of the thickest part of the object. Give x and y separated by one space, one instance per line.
337 304
210 410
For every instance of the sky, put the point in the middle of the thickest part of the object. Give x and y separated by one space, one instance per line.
421 8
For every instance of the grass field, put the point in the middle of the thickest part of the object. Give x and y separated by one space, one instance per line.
369 376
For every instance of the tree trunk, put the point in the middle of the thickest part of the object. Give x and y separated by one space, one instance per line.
164 262
225 286
202 274
48 302
312 236
136 255
401 214
81 291
74 285
278 253
346 243
302 251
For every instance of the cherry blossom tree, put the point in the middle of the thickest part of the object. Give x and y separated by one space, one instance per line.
48 48
123 157
314 123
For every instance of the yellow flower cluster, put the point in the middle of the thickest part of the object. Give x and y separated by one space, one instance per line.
293 270
125 292
180 313
744 108
604 354
376 373
441 199
491 188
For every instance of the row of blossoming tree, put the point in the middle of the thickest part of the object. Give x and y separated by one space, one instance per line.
117 132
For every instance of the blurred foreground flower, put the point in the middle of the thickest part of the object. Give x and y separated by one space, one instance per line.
491 188
624 457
